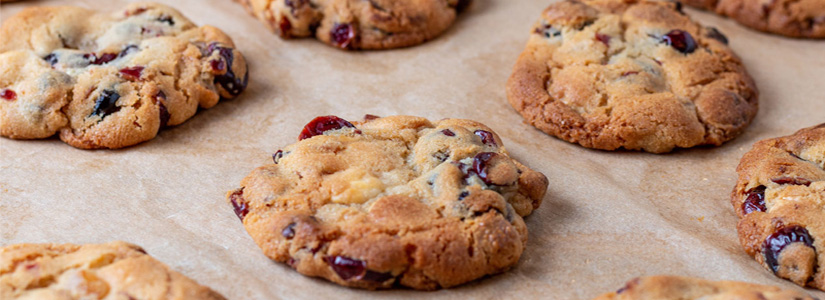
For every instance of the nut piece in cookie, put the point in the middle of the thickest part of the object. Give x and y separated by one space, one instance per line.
677 287
105 80
635 74
391 201
352 25
780 200
114 270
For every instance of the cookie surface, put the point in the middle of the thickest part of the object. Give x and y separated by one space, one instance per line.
677 288
110 80
358 24
114 270
793 18
391 201
780 200
638 75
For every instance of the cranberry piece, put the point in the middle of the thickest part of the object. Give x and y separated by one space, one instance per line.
342 35
131 73
792 180
755 201
164 112
780 239
104 58
277 156
376 276
680 40
448 132
217 65
167 20
285 26
605 39
289 231
106 103
628 73
321 124
716 35
51 59
480 165
369 117
486 137
463 168
679 8
346 267
8 94
238 204
229 81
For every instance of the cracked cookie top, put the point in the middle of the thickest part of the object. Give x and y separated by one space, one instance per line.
634 74
110 80
793 18
677 287
391 201
114 270
780 200
358 24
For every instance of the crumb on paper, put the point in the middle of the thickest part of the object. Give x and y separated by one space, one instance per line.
700 219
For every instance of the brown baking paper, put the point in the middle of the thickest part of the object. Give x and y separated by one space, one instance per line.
607 217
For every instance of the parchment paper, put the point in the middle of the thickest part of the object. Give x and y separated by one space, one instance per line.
608 216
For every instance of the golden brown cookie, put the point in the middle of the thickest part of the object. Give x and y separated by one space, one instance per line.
780 200
686 288
110 80
793 18
358 24
391 201
114 270
635 74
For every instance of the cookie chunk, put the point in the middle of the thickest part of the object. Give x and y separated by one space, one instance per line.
110 80
358 24
793 18
780 200
391 201
115 270
634 74
677 288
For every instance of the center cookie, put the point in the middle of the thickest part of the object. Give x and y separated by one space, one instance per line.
110 80
358 24
780 200
636 74
391 201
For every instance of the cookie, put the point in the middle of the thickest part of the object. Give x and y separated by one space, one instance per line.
793 18
676 288
358 24
780 200
391 201
114 270
110 80
634 74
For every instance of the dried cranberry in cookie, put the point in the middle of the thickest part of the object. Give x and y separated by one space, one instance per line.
391 201
778 199
635 75
353 25
113 80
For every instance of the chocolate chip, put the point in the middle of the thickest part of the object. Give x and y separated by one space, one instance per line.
463 195
51 59
716 35
164 112
106 103
792 180
346 268
448 132
167 20
277 156
229 81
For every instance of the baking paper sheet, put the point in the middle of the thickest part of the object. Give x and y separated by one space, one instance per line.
607 217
